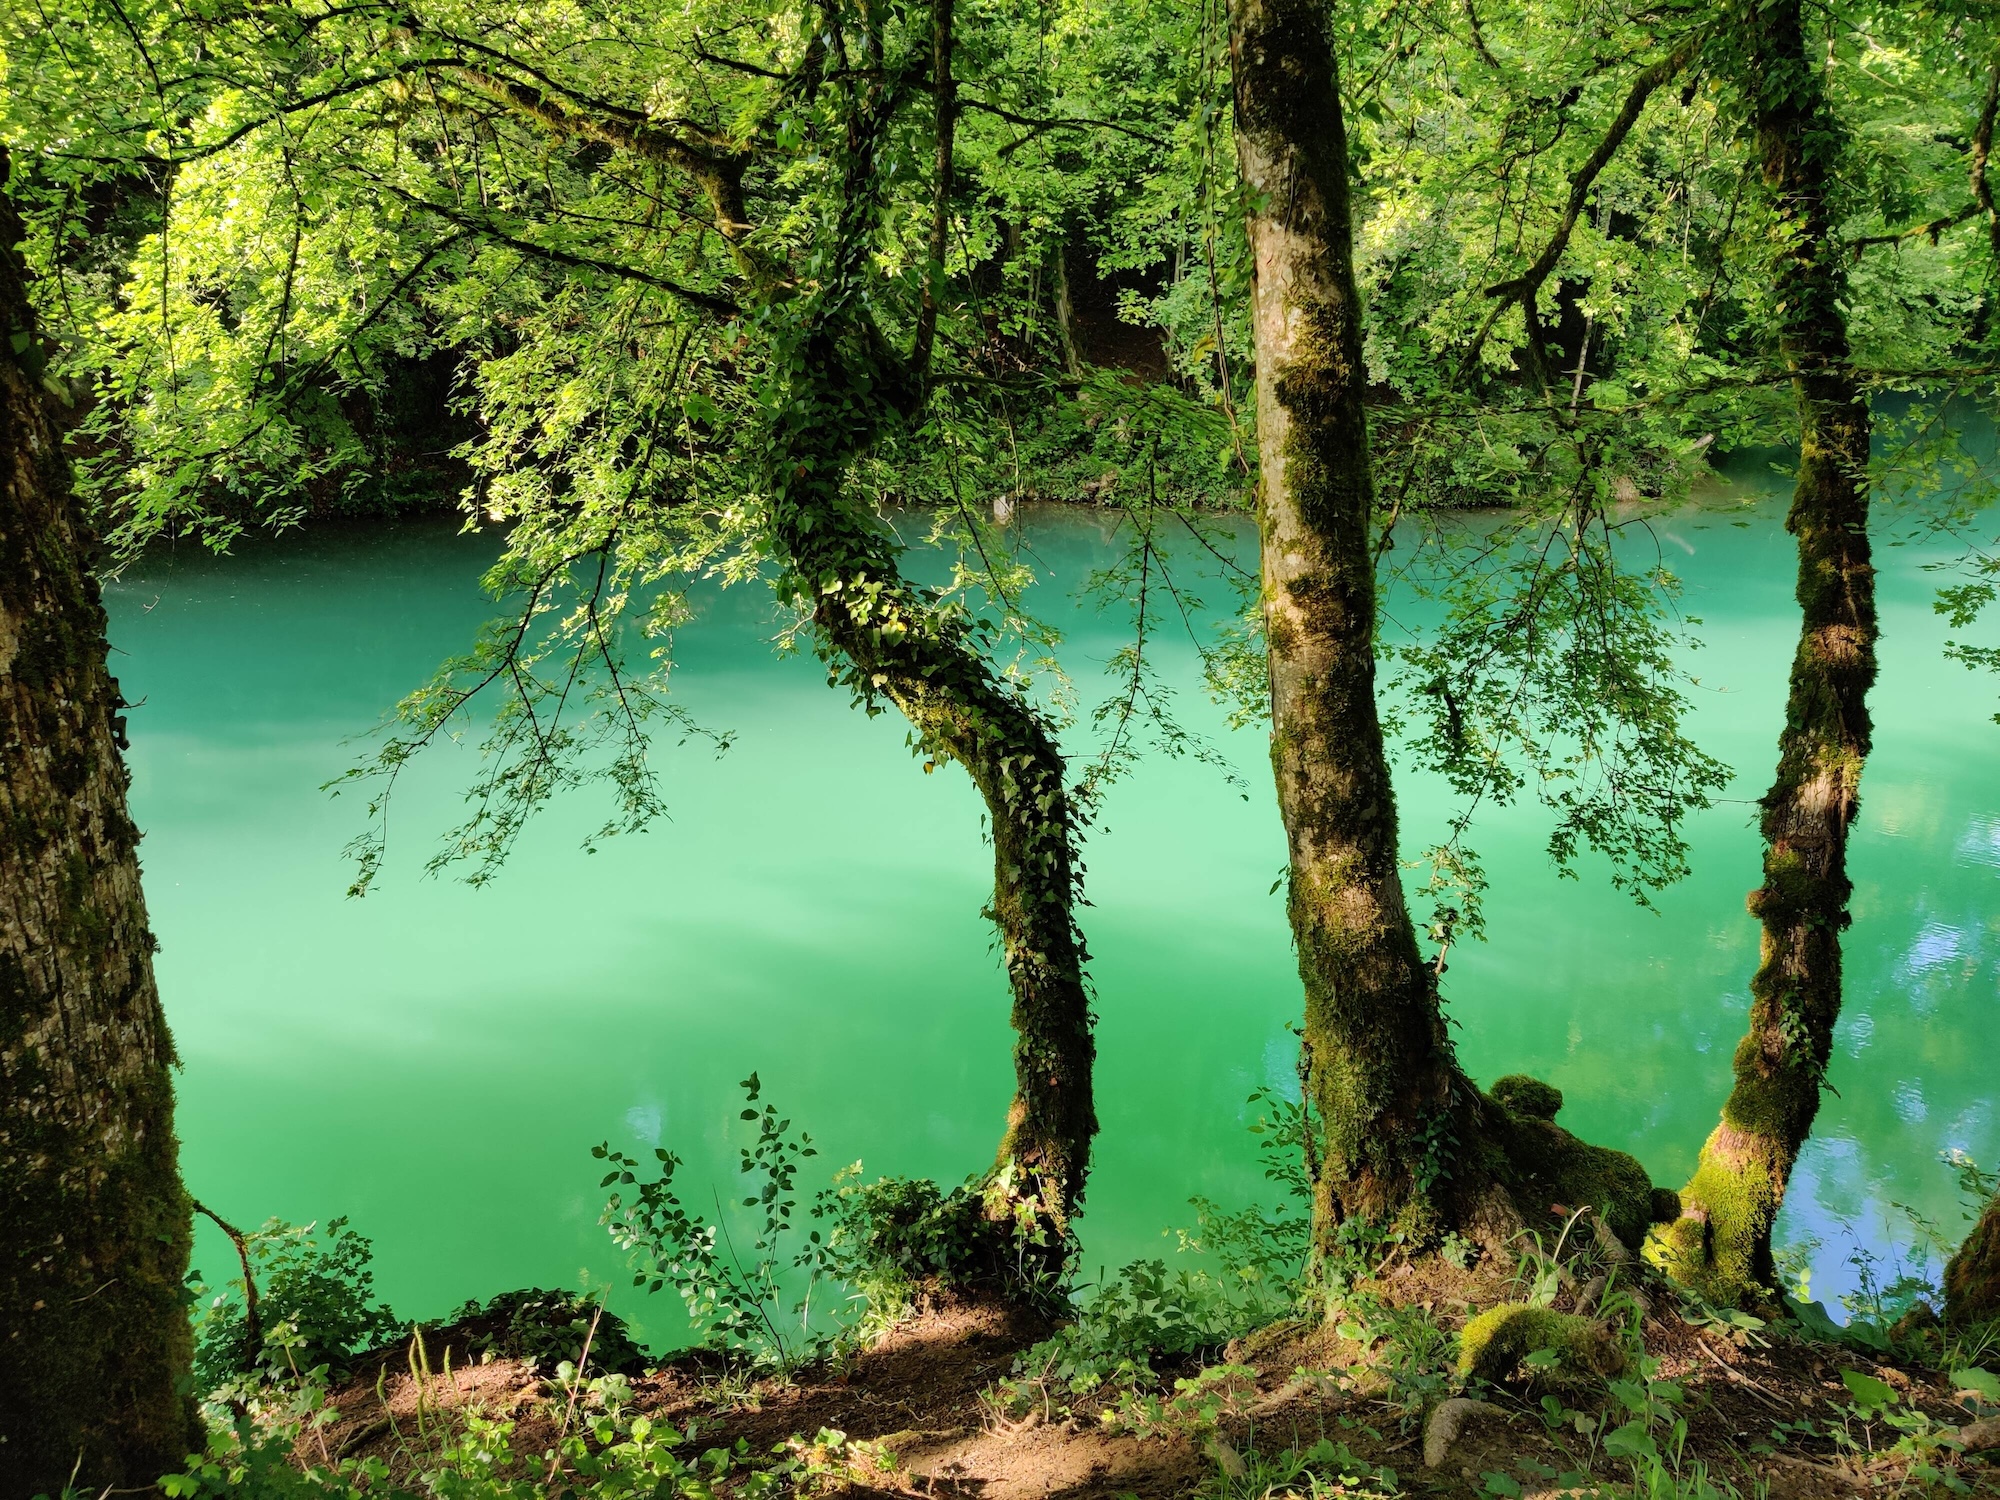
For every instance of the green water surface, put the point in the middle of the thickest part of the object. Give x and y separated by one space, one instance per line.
435 1061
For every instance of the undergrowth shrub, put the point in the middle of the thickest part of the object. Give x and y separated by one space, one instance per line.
603 1450
893 1237
316 1307
801 1286
1245 1274
548 1329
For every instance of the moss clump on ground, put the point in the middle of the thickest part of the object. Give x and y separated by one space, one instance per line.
1493 1344
1547 1168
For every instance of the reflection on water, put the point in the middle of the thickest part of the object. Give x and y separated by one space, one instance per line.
435 1061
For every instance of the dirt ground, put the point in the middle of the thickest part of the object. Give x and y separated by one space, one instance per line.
918 1415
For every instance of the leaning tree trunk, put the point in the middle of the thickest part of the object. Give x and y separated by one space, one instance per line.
837 387
1722 1241
94 1342
1402 1136
898 645
891 641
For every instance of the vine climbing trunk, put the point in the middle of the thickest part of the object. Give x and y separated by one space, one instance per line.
1379 1066
898 645
840 388
94 1341
1401 1136
1721 1243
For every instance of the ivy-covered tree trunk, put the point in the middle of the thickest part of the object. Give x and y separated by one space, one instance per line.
898 645
1722 1241
836 388
94 1341
840 388
1402 1135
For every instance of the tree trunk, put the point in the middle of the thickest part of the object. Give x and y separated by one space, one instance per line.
842 389
1379 1065
94 1342
1722 1242
1403 1137
1972 1279
898 645
1069 328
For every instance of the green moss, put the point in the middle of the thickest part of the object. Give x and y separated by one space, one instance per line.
1546 1168
1528 1097
1718 1245
1972 1279
1493 1345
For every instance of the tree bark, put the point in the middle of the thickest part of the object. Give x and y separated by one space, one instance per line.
898 645
1972 1278
94 1341
1402 1137
1379 1065
1721 1244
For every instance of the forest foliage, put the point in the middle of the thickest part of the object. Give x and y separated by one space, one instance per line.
765 294
311 222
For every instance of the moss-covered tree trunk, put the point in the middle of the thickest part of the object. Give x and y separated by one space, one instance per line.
1972 1278
1403 1137
842 388
897 645
1722 1241
1379 1064
94 1225
837 388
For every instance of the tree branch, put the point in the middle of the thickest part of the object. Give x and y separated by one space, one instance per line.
945 89
1525 287
713 303
1932 229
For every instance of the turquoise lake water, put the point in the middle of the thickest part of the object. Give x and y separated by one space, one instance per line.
435 1061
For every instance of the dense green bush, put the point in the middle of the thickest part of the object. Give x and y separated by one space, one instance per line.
315 1305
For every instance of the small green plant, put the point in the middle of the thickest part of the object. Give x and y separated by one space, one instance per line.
305 1299
1142 1314
1880 1427
1195 1408
735 1299
792 1291
1325 1469
603 1450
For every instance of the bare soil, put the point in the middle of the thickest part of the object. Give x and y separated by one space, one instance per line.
917 1414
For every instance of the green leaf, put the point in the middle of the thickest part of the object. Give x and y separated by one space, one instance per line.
1631 1441
1867 1389
1982 1383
